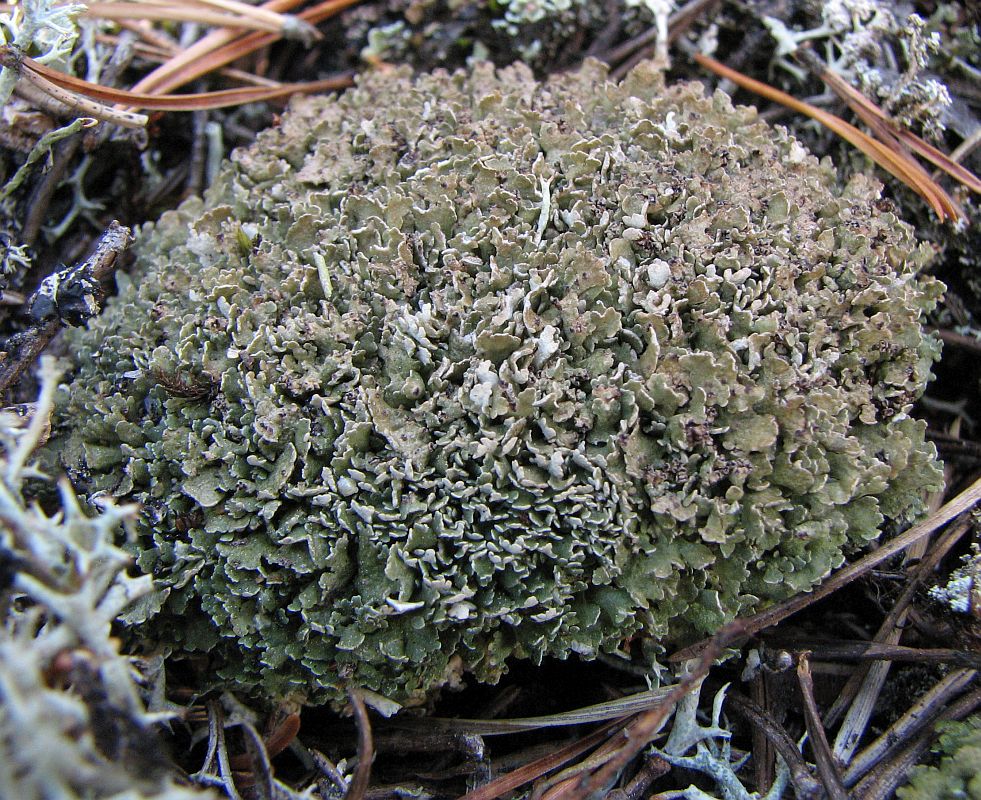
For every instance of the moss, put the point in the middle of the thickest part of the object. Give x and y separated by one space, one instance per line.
502 369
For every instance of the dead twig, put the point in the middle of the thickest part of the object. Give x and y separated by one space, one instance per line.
678 23
358 786
66 298
872 651
921 714
654 768
815 730
968 343
864 686
805 785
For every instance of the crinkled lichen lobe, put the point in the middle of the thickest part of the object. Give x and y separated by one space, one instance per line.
505 369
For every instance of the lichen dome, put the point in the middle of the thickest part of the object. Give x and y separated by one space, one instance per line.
448 371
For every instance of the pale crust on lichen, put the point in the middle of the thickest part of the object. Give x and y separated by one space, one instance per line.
503 369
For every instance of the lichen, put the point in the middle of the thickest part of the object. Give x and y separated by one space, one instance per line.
890 59
74 724
444 33
502 369
957 775
962 592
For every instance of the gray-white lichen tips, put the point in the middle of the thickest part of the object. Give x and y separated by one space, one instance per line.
458 369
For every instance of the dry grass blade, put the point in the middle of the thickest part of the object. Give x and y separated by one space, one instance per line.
601 712
897 163
805 785
358 787
965 501
74 89
541 766
643 730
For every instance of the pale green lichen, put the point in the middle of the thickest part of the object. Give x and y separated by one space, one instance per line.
451 371
962 592
957 775
542 33
73 721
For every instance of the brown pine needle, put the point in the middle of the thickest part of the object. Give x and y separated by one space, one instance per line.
897 163
222 47
177 13
79 93
507 783
884 127
963 502
196 60
288 24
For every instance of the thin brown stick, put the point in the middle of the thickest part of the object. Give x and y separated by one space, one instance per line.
764 755
958 340
872 651
258 778
965 501
922 713
358 786
805 785
654 768
678 23
861 693
815 731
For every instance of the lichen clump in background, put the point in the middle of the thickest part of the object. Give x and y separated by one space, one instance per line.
448 371
541 33
957 776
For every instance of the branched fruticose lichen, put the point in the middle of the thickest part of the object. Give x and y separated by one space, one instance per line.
73 723
541 33
486 368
